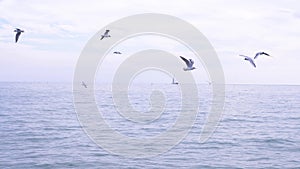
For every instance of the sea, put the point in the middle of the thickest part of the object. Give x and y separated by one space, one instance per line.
259 128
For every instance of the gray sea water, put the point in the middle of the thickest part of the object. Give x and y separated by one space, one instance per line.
260 128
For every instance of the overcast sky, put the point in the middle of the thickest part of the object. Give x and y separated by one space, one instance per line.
56 32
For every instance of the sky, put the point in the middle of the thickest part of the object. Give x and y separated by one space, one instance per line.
57 31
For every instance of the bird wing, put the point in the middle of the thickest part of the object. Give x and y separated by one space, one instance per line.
252 62
17 36
102 37
265 54
257 54
191 62
246 56
260 53
249 59
106 32
185 60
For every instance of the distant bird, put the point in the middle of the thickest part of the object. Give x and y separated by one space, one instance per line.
189 63
116 52
83 84
249 59
105 35
173 81
19 31
260 53
209 82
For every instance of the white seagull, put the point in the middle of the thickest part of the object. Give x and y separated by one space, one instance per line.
105 35
19 31
260 53
117 52
83 84
189 63
249 59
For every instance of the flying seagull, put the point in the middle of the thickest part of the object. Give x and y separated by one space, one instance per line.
19 31
189 63
260 53
83 84
117 52
249 59
105 35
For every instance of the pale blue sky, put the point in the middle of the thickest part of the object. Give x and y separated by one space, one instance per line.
56 32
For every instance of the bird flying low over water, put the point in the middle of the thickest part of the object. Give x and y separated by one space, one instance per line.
19 31
117 52
249 59
105 35
260 53
189 63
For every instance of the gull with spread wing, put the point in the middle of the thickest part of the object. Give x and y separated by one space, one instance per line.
189 64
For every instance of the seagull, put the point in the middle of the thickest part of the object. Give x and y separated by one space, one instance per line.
83 84
189 63
260 53
105 35
19 31
249 59
116 52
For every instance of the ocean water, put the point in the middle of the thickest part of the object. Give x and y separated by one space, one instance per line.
259 128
